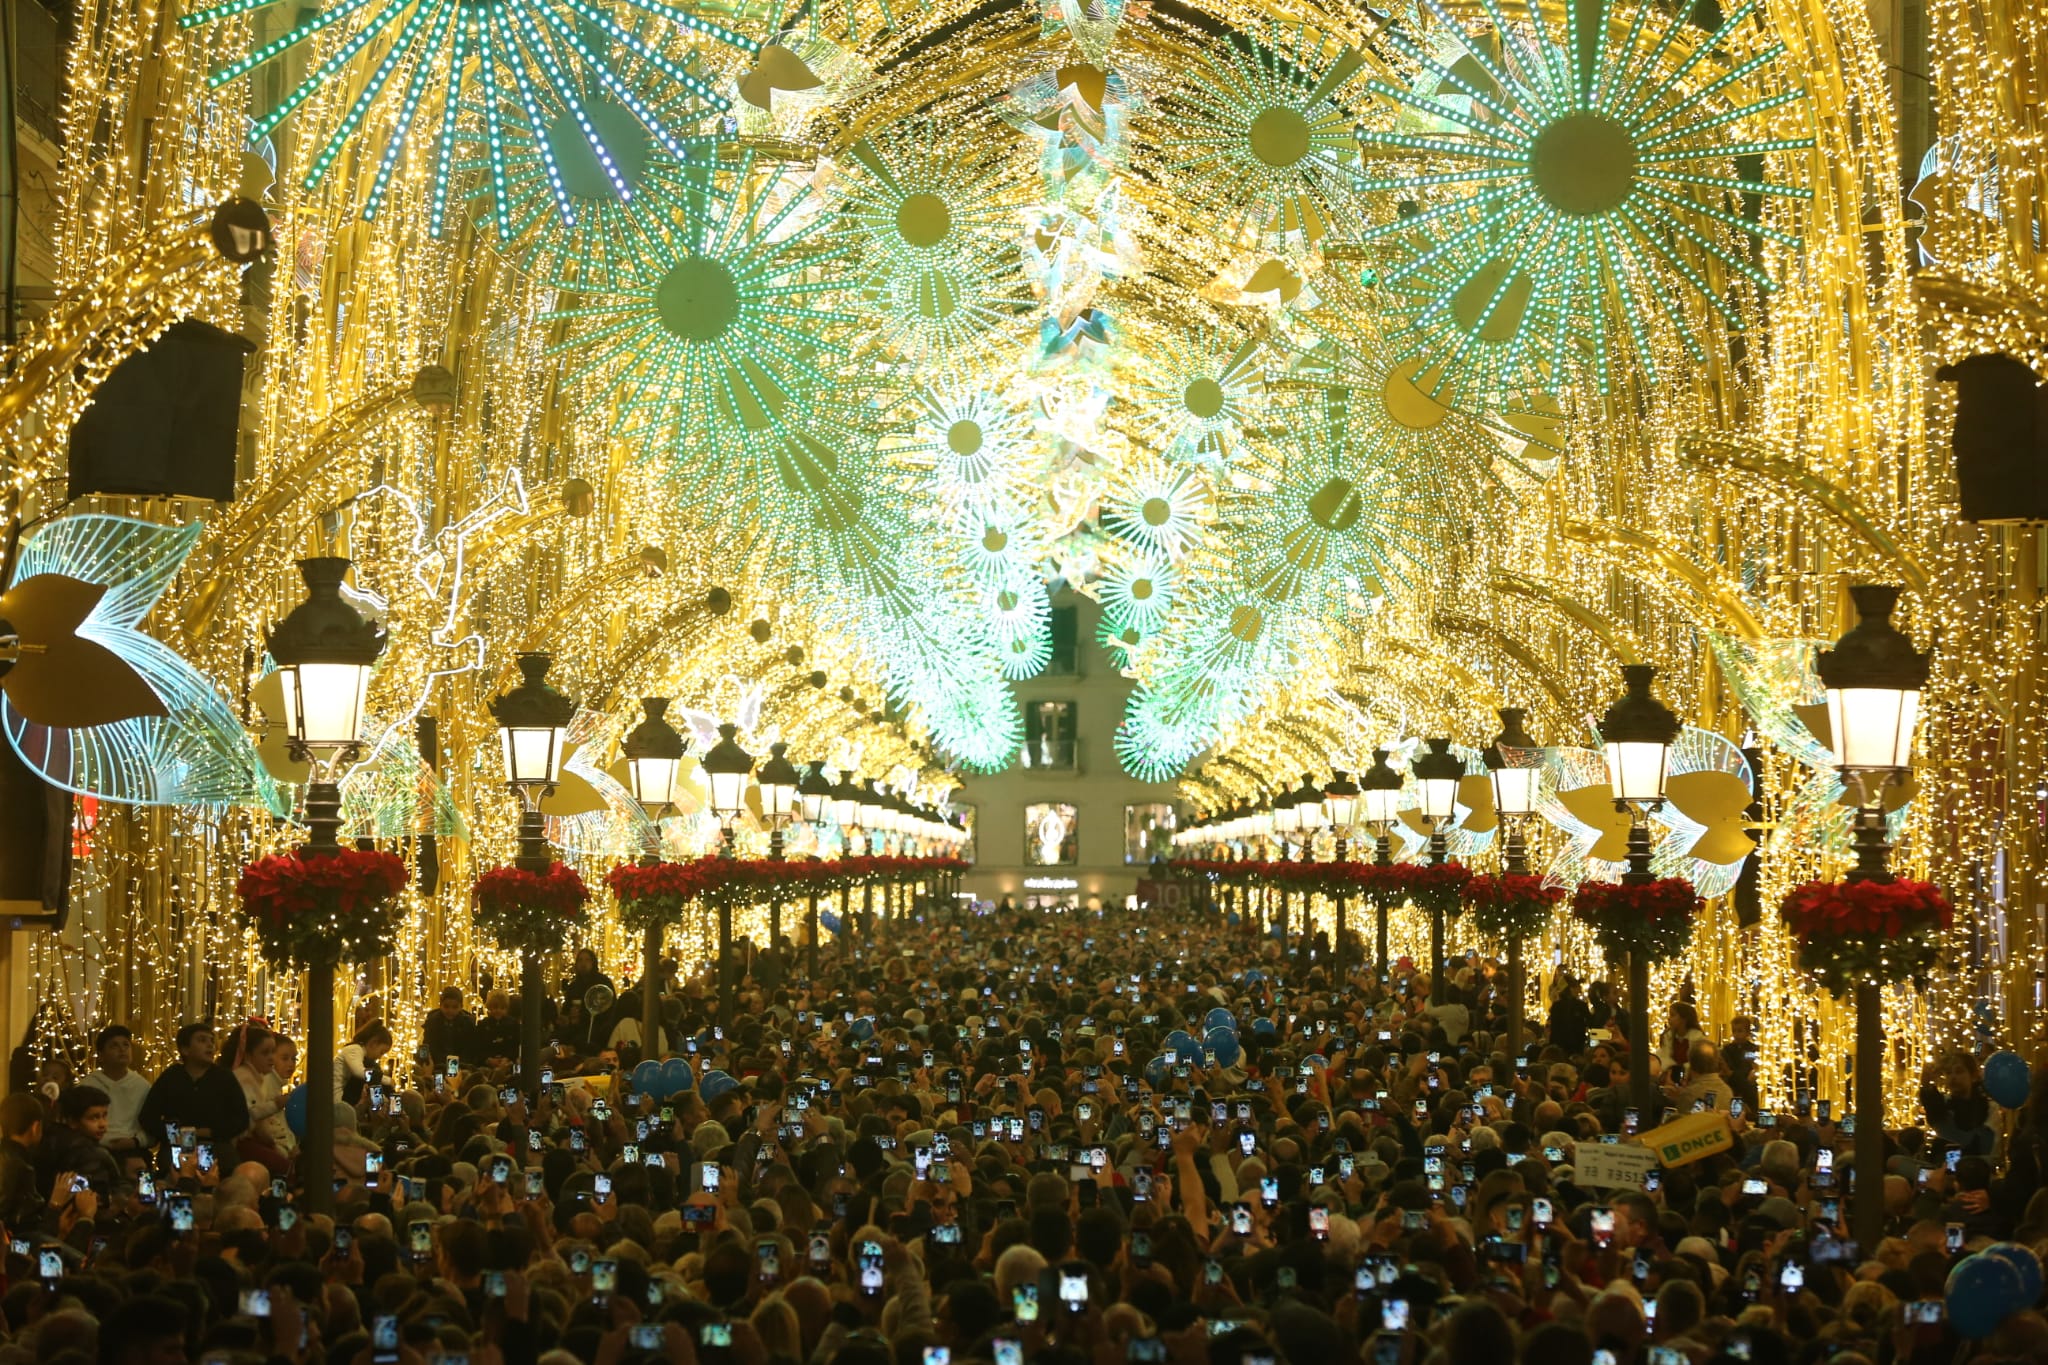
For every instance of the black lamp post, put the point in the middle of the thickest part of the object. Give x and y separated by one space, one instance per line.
1637 734
1340 809
1379 802
814 798
726 768
1873 678
1437 774
779 781
654 752
1515 790
533 720
846 813
324 650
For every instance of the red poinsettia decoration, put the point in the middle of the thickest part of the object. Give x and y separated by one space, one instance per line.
326 907
522 909
1852 932
1653 919
1511 904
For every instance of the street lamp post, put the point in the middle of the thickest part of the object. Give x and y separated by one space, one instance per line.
846 813
814 795
1340 808
653 751
1379 802
1437 774
1286 818
779 781
1636 735
324 650
874 818
533 721
1873 678
726 768
1514 801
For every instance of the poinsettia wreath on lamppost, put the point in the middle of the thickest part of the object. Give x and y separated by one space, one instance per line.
321 904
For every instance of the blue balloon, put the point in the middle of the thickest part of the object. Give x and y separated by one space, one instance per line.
1183 1044
1254 976
861 1029
2022 1259
1224 1044
1231 919
1264 1027
675 1077
716 1083
295 1111
647 1079
1982 1292
831 922
1155 1072
2006 1079
1218 1018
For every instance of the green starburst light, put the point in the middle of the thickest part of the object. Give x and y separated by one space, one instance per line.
1196 393
521 55
1263 133
1588 188
934 230
1157 507
966 446
717 334
1137 594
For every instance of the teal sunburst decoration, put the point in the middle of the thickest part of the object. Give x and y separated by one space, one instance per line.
1157 507
934 231
1137 593
585 196
1585 184
719 330
966 445
1196 394
523 56
1263 132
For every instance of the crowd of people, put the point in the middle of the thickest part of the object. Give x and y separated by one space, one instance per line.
1005 1138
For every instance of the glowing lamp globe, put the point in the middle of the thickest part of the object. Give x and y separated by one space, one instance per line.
1437 774
654 756
779 781
1637 734
533 720
324 650
727 767
814 794
1380 801
1514 789
1873 678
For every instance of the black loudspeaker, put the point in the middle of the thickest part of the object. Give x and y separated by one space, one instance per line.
166 421
2001 440
35 845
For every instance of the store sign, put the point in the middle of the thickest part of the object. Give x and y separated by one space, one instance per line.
1051 884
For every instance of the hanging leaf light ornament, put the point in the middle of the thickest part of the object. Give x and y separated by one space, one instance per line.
533 62
1586 184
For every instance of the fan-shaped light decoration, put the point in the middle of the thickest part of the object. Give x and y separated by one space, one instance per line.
512 51
1590 181
968 445
1262 131
174 741
933 219
577 205
1704 816
1196 394
1137 594
998 543
1157 507
1338 517
717 329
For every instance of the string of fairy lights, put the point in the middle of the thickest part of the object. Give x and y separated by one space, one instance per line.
950 317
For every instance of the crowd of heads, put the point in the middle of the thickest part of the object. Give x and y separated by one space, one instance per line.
1005 1137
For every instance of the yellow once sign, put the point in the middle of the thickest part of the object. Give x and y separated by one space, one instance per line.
1685 1140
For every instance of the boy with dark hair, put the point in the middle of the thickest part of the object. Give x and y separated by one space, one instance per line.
74 1143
